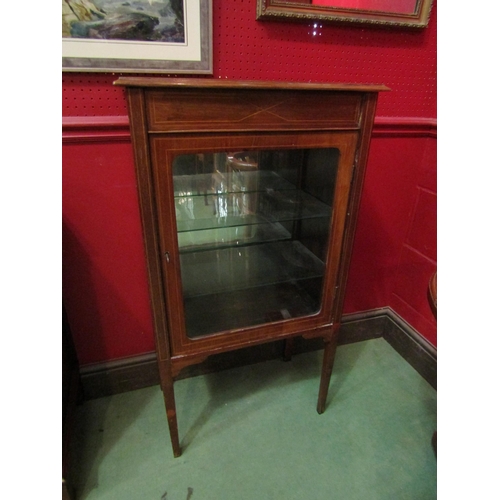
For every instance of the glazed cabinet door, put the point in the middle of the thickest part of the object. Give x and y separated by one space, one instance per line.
250 230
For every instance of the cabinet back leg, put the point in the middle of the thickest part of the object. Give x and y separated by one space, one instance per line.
288 349
326 370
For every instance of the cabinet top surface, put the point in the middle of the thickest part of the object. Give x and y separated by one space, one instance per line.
200 83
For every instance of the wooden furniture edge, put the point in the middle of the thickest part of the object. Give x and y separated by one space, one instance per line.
159 82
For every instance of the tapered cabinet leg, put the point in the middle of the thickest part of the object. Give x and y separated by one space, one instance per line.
172 423
169 399
326 371
288 349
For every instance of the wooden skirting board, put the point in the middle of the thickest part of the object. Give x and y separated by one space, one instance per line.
104 379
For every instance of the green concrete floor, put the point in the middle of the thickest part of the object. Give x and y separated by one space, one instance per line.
253 433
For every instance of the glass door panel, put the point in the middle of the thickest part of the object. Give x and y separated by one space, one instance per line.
253 231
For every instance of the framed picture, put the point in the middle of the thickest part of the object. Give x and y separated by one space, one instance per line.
137 36
405 13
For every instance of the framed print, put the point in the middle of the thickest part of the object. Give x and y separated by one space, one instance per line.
404 13
137 36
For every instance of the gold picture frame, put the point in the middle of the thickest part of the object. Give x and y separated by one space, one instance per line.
412 14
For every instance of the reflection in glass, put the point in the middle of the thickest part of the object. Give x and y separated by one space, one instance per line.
253 229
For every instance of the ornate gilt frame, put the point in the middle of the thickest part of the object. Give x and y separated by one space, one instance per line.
304 10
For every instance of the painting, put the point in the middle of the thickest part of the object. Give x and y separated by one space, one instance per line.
137 36
396 13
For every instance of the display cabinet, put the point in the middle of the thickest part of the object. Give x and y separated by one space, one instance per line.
248 194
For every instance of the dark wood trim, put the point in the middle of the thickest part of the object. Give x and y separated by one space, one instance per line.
362 326
113 377
414 348
82 129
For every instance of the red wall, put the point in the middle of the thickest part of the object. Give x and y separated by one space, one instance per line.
394 252
104 276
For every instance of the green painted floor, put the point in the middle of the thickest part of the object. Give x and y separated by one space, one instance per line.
253 433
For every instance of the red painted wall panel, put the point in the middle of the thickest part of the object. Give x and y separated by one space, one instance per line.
423 230
418 256
386 205
104 275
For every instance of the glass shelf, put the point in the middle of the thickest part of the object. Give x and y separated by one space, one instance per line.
228 182
250 307
230 269
238 235
237 287
194 213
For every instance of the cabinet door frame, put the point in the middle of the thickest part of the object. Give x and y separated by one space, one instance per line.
164 147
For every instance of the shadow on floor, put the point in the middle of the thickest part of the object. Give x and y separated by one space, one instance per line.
95 419
231 387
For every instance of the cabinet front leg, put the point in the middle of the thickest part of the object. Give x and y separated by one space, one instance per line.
167 385
326 371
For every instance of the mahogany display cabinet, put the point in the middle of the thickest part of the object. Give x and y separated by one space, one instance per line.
248 195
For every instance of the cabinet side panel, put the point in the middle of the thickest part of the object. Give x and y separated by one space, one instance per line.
367 118
137 116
